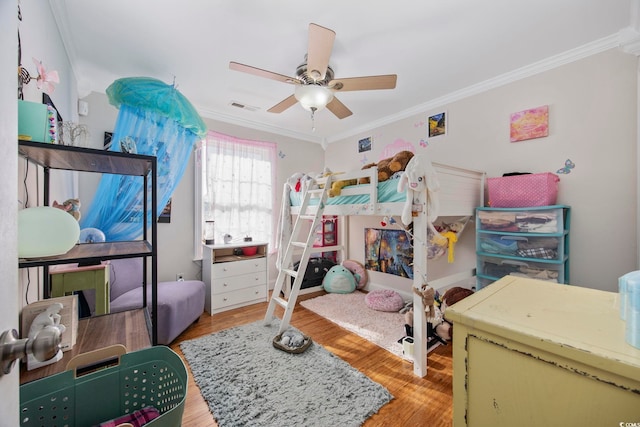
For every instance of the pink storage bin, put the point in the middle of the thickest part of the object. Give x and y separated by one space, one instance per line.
521 191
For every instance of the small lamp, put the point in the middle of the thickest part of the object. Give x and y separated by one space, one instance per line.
45 231
209 230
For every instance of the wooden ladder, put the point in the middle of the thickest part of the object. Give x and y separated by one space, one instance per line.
311 213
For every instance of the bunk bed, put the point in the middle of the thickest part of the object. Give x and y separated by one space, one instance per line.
460 192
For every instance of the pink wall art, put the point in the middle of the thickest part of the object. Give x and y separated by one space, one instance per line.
530 124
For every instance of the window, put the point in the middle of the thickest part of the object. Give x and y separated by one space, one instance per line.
236 179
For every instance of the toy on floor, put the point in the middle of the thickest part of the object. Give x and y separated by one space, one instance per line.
292 341
433 339
384 300
340 280
359 272
450 297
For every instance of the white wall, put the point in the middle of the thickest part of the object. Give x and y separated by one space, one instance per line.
592 121
40 39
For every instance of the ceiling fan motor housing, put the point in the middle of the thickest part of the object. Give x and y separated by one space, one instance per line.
306 77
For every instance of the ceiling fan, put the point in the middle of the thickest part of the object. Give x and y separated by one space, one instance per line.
314 83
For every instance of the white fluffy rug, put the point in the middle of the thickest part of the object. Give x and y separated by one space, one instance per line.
352 313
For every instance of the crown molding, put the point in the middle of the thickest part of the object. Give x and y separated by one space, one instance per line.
546 64
630 41
214 115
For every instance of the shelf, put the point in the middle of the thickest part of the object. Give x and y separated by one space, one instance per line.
93 252
62 157
70 158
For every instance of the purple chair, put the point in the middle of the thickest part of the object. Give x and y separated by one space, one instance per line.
179 303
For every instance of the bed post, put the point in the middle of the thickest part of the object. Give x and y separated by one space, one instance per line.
419 275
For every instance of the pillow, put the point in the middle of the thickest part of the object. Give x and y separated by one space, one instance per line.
384 300
358 271
339 280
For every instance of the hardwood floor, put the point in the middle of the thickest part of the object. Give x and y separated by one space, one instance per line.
417 401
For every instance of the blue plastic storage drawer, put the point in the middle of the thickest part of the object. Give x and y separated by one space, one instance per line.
530 220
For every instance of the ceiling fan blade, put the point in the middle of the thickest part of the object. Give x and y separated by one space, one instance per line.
283 105
338 108
262 73
387 81
319 50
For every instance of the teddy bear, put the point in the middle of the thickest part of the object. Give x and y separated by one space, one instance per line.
427 293
387 167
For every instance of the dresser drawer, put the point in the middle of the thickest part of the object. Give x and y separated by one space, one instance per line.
228 269
524 246
495 268
239 297
546 219
228 284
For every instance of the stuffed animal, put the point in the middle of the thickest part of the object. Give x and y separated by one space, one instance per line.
427 294
336 185
419 175
72 206
387 167
339 280
445 329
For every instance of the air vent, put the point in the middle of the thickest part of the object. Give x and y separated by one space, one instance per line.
243 106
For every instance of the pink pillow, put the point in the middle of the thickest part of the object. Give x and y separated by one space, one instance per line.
384 300
359 272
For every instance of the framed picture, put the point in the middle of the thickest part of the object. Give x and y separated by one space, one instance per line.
437 124
530 124
388 251
364 144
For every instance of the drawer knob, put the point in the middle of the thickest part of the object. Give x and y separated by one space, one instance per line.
224 299
225 284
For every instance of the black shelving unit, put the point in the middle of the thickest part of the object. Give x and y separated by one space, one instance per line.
62 157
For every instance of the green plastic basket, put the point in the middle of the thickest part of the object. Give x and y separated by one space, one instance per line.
154 376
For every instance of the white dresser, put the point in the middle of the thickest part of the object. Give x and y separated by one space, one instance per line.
233 279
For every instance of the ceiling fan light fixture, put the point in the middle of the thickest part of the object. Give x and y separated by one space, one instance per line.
313 97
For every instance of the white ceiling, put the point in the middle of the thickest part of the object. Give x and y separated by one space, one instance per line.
440 50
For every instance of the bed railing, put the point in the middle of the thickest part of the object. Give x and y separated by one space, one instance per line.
370 189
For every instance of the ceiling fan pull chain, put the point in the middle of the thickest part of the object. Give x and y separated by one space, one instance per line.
313 119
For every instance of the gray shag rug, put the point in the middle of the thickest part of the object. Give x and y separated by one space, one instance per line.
248 382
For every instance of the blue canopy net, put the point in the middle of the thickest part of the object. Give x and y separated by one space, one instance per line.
156 120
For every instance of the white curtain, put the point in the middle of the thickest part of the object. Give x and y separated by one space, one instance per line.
238 178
